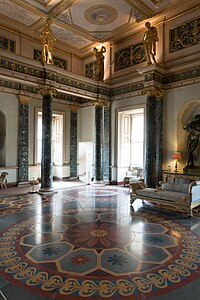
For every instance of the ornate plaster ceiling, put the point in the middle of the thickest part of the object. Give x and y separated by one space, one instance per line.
79 24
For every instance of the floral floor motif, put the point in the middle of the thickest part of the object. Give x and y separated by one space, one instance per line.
87 243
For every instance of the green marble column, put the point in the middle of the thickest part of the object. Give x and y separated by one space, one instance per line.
98 168
154 138
73 141
46 163
159 139
23 140
150 153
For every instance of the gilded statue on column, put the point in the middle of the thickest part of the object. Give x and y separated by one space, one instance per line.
47 39
98 69
150 39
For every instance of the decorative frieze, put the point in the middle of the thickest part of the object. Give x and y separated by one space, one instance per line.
127 89
57 61
129 56
185 35
185 75
7 45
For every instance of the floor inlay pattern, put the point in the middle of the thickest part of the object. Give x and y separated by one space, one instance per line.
86 243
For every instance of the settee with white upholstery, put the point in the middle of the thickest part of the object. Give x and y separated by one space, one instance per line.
175 196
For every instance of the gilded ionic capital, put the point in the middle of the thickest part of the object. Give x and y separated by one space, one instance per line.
47 90
100 102
154 91
24 99
74 108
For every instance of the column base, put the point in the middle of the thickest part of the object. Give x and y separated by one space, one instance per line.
23 184
98 182
47 192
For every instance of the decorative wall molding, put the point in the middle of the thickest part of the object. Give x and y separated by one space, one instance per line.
185 35
129 56
7 45
57 61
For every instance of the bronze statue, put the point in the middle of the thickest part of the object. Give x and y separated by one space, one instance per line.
98 70
48 39
193 139
150 38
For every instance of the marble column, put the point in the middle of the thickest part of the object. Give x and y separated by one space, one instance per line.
73 141
98 167
159 139
106 145
154 136
150 153
23 134
46 163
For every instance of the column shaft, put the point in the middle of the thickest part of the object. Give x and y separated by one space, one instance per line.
106 145
73 145
46 164
159 139
150 161
23 142
98 142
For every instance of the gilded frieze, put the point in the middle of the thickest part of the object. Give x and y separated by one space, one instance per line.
58 62
7 45
129 56
189 74
185 35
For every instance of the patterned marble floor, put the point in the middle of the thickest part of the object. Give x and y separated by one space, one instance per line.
87 243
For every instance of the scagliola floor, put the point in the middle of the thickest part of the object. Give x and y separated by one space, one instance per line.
87 243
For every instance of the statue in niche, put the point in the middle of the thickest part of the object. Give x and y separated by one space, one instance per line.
193 140
98 69
47 39
150 39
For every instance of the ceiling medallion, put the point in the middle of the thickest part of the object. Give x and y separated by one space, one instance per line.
101 14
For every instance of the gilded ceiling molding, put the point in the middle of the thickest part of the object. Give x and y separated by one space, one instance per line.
101 14
80 32
141 7
153 91
60 7
24 99
47 90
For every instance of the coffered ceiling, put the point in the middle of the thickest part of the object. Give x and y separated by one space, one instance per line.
79 24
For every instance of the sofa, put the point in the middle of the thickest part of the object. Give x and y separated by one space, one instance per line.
133 174
173 196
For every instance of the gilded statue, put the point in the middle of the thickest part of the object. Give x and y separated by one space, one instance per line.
47 39
150 39
193 140
98 69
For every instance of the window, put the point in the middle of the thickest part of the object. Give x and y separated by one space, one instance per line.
57 138
131 137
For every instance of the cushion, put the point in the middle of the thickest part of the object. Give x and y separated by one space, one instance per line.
162 194
175 187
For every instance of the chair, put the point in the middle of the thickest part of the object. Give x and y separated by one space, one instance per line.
3 180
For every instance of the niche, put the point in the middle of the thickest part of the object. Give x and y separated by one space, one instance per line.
2 139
